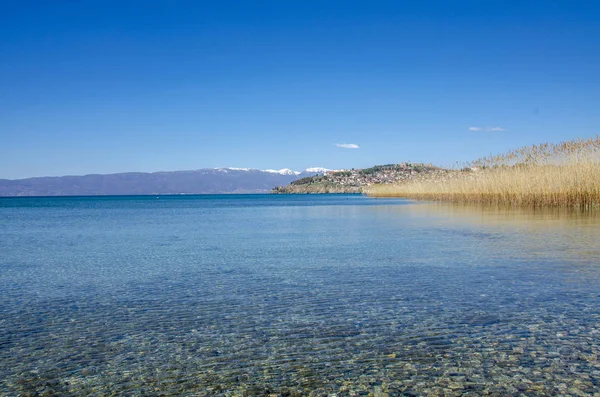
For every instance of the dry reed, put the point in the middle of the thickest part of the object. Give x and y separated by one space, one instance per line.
566 174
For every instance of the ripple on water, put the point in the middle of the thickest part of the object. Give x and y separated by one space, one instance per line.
475 312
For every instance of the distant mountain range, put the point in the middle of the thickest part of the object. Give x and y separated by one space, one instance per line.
202 181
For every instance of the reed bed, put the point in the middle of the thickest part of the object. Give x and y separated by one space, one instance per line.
566 174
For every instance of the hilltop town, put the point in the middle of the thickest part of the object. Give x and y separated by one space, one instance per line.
354 180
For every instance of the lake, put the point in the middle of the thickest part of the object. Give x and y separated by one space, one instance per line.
325 295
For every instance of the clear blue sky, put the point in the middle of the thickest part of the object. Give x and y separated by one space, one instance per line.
101 86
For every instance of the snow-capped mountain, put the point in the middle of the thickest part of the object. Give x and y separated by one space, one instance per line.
201 181
318 170
285 171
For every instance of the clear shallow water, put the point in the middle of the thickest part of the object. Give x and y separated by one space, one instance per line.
295 295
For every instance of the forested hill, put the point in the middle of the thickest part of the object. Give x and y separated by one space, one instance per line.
353 181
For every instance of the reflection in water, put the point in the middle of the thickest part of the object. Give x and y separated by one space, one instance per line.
559 234
321 298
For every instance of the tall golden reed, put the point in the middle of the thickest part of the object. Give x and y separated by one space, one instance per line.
566 174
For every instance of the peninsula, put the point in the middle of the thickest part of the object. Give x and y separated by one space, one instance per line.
356 180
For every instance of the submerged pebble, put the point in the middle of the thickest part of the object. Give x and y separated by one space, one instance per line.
314 300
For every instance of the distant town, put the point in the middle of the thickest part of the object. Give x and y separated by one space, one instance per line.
354 180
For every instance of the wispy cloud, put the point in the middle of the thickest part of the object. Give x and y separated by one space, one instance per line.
489 129
347 145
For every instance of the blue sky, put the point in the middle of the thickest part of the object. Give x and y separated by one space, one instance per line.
103 86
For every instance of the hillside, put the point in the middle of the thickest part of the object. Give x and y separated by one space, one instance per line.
353 181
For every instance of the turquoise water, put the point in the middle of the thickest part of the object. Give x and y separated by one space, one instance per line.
333 295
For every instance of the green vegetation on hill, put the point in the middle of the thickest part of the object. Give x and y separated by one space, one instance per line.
355 180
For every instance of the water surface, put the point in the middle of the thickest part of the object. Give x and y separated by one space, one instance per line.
295 295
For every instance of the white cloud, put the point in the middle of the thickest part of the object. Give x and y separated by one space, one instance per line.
347 145
489 129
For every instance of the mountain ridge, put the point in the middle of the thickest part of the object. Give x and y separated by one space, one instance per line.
199 181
